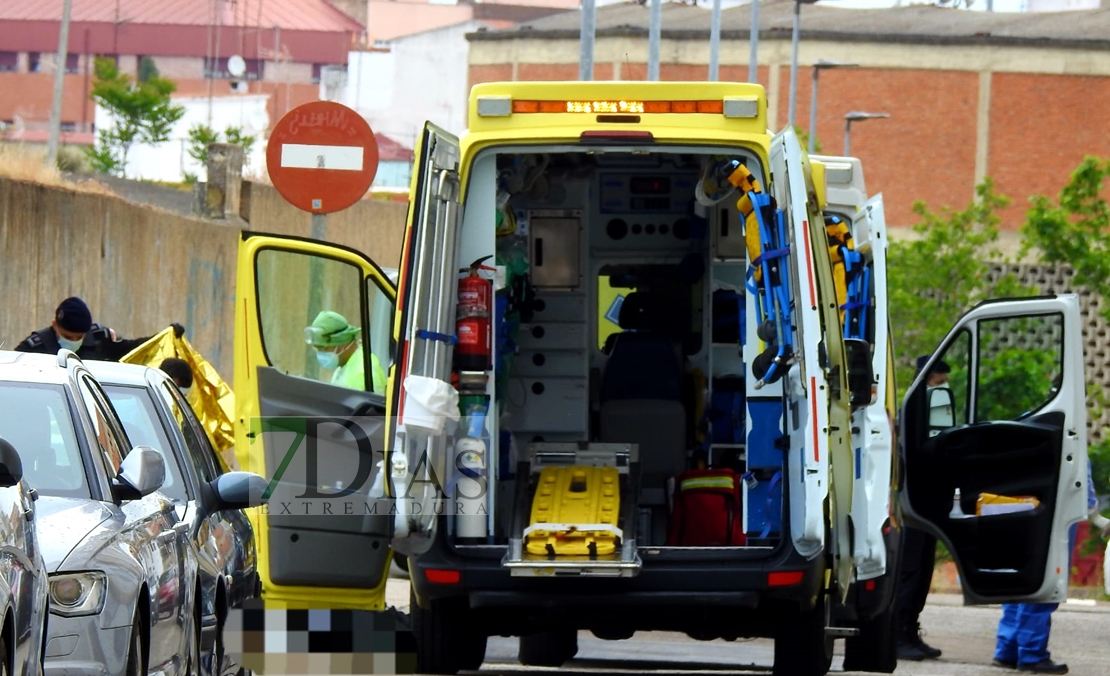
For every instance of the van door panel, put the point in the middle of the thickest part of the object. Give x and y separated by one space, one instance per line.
316 525
1015 448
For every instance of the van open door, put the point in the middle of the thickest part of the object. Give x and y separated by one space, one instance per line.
313 350
807 392
994 445
425 331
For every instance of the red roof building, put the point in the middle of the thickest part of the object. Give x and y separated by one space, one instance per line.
284 44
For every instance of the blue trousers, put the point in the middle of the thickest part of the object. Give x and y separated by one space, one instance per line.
1024 627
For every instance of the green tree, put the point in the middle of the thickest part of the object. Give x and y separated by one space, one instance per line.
200 135
941 273
142 113
1074 230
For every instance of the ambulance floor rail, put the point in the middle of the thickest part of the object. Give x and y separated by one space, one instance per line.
625 561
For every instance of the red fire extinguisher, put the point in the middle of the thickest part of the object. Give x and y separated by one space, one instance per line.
473 323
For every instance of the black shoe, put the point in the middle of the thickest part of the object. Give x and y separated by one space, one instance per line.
1005 664
1045 666
913 638
910 651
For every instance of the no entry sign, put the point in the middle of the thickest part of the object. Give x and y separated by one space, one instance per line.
322 157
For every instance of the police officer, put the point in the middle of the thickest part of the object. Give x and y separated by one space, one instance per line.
73 329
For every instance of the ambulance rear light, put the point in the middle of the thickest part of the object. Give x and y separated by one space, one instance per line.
733 107
787 578
440 576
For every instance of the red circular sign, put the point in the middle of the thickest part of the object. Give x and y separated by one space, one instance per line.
322 157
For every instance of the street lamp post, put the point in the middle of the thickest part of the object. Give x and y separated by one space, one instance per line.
823 63
856 116
794 58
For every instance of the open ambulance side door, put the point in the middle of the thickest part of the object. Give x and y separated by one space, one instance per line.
1008 431
806 419
425 333
323 539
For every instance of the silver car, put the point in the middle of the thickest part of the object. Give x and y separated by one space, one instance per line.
122 583
155 413
23 583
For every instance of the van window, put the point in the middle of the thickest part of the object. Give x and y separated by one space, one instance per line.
1020 366
293 289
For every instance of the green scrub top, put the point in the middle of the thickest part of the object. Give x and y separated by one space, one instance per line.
353 373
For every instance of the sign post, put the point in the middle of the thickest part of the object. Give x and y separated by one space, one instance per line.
321 157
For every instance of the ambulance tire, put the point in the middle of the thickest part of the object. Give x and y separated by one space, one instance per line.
874 649
551 648
446 639
802 648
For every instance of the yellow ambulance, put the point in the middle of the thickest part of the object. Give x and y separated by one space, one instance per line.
620 395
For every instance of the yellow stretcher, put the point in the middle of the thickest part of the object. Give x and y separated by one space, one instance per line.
575 512
989 503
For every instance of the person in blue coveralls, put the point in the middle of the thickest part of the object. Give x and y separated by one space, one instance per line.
1022 642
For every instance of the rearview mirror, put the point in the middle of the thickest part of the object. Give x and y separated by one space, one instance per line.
11 466
236 490
861 375
141 473
942 410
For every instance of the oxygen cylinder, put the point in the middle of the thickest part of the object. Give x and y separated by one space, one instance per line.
472 515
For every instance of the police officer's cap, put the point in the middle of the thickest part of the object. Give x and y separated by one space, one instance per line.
73 315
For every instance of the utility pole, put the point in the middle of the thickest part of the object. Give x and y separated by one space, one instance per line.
653 39
753 43
794 62
59 88
715 42
586 57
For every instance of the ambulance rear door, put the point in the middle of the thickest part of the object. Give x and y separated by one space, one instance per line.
996 457
806 419
425 332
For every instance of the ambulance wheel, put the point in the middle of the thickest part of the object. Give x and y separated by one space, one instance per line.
447 641
801 646
874 649
551 648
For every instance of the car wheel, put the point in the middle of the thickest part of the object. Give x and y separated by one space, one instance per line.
801 646
551 648
135 665
447 639
5 659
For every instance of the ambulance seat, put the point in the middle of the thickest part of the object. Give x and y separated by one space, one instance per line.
642 393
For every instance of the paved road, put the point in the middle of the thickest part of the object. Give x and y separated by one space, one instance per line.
1080 637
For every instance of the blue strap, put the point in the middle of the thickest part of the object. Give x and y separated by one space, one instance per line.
770 255
770 504
432 335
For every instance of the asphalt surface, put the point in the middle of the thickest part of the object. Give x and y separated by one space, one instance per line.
1080 637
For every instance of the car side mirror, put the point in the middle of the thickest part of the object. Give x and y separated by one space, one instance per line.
141 473
942 410
861 374
235 490
11 466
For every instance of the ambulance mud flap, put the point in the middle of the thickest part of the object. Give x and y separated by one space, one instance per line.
624 561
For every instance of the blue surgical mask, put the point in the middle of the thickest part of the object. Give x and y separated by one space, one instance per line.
70 344
328 360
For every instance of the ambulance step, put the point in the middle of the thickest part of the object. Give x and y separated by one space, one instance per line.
624 563
841 632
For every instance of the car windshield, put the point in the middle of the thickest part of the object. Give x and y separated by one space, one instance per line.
144 428
36 419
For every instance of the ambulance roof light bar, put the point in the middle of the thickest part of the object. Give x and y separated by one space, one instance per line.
729 107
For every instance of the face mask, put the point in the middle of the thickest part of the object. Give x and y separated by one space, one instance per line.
187 391
327 360
70 344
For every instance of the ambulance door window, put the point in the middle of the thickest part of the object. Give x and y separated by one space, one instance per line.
293 289
382 347
1020 366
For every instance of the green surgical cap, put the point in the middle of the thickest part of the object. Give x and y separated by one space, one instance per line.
330 329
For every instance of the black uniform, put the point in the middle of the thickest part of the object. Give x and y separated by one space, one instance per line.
98 344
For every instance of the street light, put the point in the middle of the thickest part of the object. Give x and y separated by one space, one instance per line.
822 63
794 58
856 116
